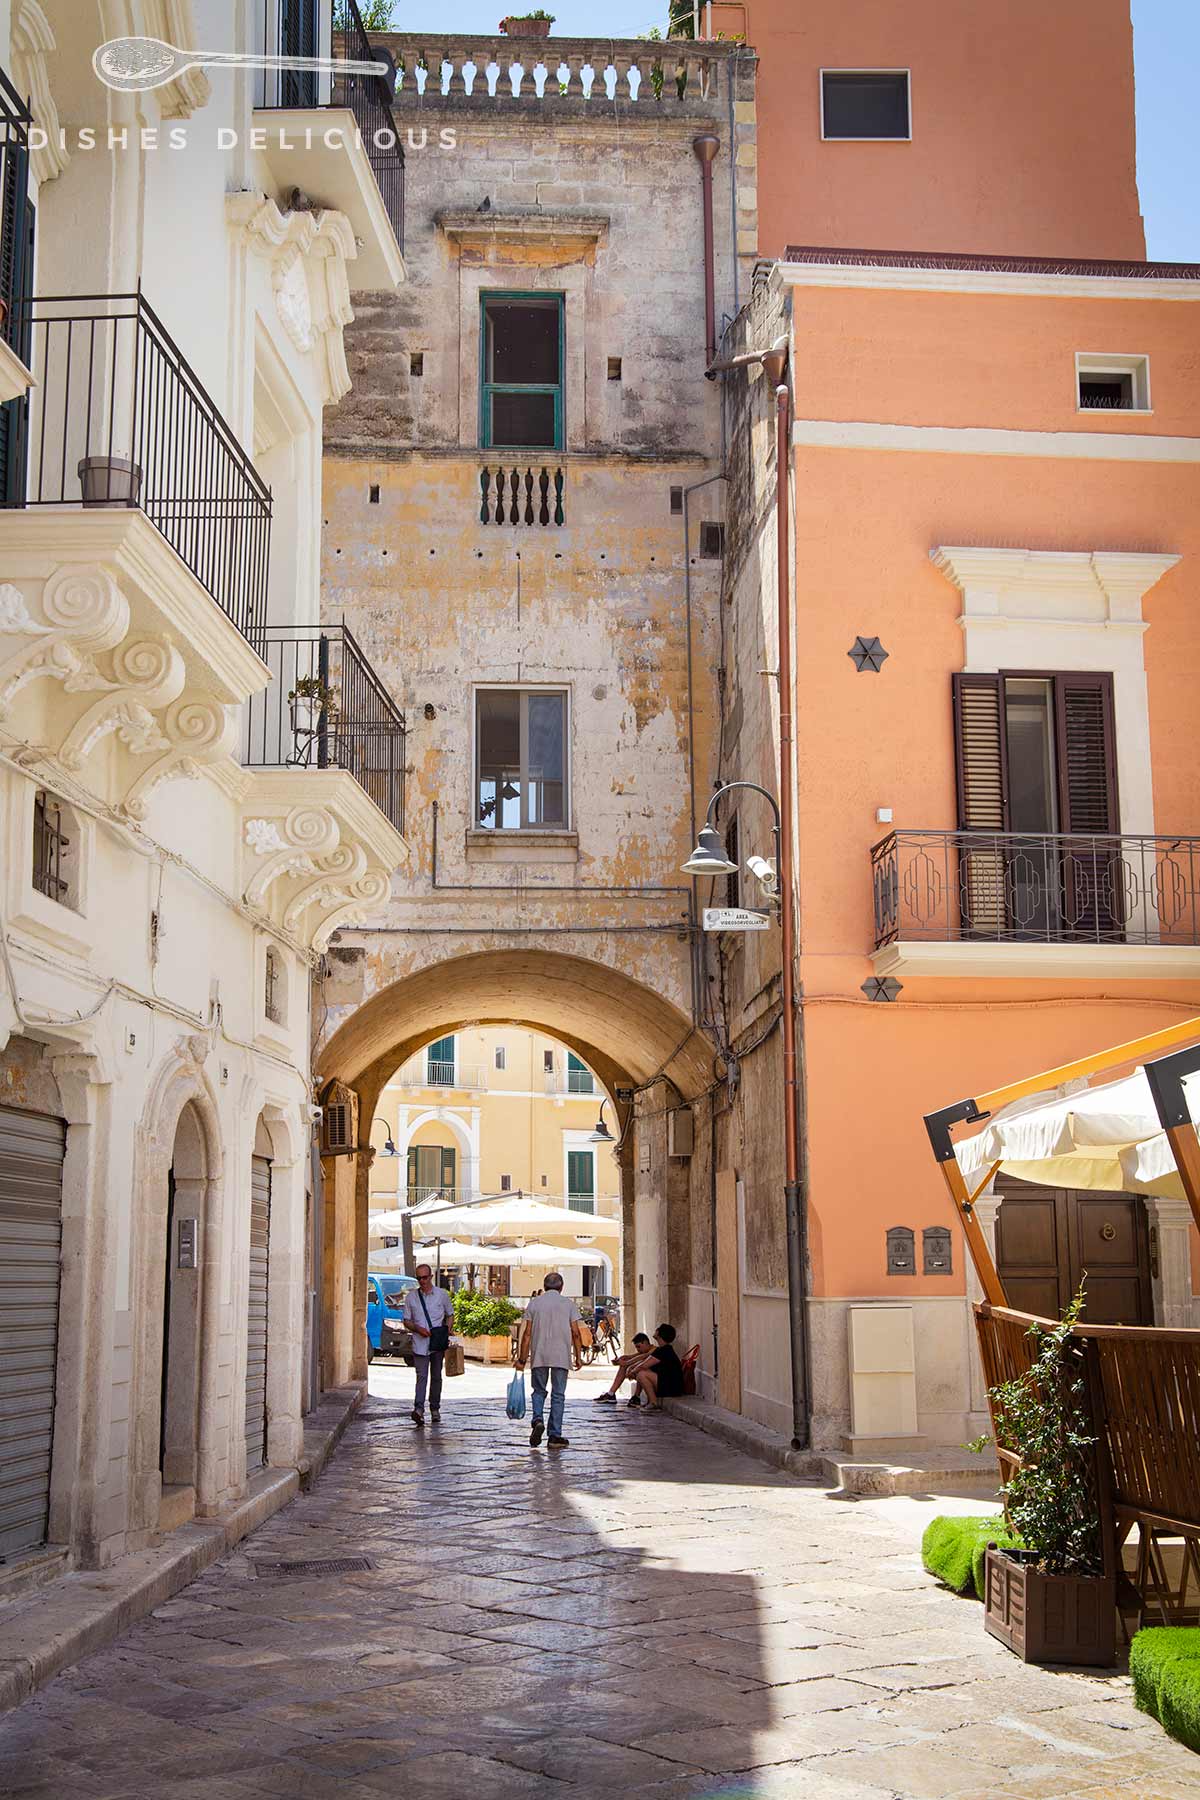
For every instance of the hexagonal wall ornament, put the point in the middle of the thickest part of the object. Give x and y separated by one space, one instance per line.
881 987
868 655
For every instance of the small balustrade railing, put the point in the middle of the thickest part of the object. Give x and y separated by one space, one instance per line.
432 68
1012 887
514 496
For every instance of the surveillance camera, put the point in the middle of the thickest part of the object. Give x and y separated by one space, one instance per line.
763 868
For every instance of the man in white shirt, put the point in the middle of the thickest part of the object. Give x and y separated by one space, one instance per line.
429 1315
552 1340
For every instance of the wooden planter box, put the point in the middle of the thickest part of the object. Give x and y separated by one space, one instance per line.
493 1349
1050 1618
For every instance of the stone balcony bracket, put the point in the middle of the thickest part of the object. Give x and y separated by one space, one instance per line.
118 666
317 853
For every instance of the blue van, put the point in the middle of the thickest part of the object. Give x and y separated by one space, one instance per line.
387 1334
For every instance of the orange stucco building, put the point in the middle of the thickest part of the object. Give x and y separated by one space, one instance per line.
995 437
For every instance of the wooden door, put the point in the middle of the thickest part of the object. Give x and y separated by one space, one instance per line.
1050 1240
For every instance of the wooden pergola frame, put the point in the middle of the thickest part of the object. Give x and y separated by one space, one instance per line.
1168 1056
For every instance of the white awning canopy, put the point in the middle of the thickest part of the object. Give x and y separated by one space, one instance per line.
507 1256
1107 1137
520 1215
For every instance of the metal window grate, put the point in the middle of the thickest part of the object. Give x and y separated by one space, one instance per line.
50 845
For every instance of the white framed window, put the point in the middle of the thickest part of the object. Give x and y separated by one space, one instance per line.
506 1184
548 1061
54 865
522 780
501 1057
1111 383
866 105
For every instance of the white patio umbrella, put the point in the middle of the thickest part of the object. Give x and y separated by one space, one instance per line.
386 1224
520 1214
1107 1137
508 1256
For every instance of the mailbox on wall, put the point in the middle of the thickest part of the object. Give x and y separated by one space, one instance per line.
935 1242
901 1250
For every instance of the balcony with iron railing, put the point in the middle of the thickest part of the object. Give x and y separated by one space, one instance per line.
439 1072
573 1081
119 419
952 901
305 144
326 708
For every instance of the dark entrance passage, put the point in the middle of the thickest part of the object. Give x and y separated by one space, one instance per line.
1049 1240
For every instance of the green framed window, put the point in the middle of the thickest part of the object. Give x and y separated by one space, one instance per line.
521 371
581 1180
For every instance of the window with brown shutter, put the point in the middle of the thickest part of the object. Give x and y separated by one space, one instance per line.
1036 765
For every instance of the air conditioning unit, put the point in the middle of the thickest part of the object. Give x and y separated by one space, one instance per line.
680 1132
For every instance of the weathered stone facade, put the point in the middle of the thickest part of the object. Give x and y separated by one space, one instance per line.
587 931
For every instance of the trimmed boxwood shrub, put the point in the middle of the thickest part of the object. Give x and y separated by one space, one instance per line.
953 1549
1164 1661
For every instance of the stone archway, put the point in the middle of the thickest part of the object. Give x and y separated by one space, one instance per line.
628 1034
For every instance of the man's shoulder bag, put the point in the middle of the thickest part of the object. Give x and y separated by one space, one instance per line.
439 1335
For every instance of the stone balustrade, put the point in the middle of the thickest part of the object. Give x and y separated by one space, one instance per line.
461 73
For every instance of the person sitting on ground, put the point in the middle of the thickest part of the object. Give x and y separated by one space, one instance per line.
661 1375
627 1367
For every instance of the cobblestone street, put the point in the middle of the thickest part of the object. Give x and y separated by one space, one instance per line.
647 1612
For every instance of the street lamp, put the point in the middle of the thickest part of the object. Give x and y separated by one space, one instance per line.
389 1149
710 858
601 1134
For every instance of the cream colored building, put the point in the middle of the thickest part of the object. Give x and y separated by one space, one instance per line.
493 1111
178 841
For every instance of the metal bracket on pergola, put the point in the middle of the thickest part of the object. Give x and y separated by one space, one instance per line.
1166 1068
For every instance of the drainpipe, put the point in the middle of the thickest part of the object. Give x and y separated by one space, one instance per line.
795 1189
705 148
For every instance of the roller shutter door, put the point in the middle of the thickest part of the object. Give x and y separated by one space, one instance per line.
31 1161
256 1320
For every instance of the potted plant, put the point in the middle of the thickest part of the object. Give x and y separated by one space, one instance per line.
1052 1599
312 703
484 1324
535 24
109 480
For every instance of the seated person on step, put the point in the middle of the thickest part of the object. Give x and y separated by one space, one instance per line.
661 1375
627 1367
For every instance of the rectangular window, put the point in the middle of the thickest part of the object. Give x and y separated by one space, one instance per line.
501 1057
431 1171
520 760
581 1180
521 390
439 1063
506 1184
548 1061
865 103
1037 777
1112 383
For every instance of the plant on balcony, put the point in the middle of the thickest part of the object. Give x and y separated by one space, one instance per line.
533 24
376 15
1051 1600
313 703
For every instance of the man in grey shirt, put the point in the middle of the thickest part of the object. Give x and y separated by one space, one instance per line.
429 1315
552 1340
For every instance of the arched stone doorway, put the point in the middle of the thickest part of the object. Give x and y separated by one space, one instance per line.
628 1034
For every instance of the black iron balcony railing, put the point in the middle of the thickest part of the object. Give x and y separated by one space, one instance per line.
119 418
327 709
309 28
1008 887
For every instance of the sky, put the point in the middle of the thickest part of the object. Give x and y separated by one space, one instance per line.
1167 67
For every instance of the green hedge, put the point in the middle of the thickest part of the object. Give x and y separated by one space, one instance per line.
953 1549
1164 1661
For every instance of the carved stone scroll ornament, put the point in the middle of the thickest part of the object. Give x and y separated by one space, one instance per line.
197 732
286 846
83 612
